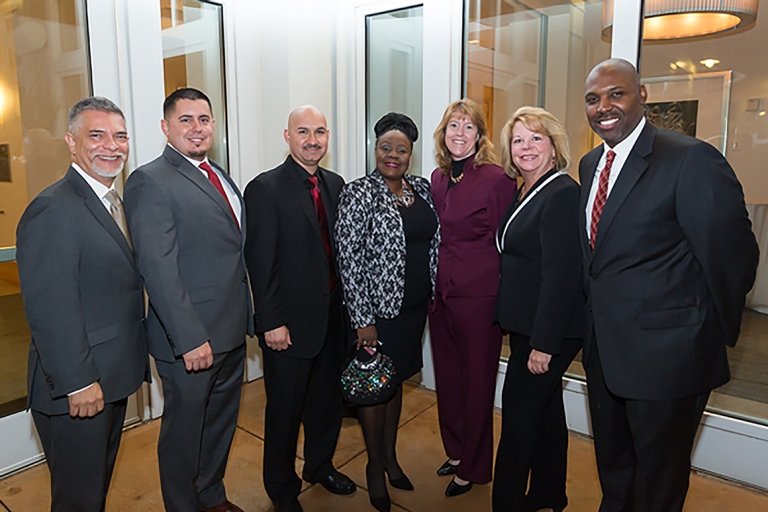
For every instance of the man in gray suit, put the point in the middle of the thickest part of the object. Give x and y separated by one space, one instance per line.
83 299
185 215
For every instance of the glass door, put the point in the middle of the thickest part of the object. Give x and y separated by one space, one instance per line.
44 68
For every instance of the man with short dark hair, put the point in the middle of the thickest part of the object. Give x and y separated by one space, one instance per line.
185 215
669 256
291 210
83 300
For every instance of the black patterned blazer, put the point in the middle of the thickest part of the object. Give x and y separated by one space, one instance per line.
371 248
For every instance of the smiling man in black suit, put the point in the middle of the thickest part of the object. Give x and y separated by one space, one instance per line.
291 210
669 256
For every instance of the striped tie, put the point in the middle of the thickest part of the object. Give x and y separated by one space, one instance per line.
600 197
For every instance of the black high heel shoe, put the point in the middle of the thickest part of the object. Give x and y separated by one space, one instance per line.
401 482
455 489
382 503
446 469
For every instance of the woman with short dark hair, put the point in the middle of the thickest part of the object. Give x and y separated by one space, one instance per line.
387 236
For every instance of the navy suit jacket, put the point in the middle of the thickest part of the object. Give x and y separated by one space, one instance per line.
673 260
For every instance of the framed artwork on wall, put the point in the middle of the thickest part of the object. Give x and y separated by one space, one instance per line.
696 105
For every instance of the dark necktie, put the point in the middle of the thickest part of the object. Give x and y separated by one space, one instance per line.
322 219
216 182
600 197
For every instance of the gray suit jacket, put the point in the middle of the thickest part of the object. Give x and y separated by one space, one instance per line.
190 253
82 296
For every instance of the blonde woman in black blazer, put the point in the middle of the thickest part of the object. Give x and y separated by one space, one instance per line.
541 306
387 237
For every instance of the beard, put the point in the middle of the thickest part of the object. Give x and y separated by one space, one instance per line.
104 173
197 154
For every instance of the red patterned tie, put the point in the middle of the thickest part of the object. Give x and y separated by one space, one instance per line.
216 182
322 219
600 197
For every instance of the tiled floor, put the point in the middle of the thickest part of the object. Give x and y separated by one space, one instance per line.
136 485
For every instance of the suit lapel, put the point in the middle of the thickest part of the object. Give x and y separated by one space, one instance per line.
330 200
196 176
631 172
439 189
300 190
97 209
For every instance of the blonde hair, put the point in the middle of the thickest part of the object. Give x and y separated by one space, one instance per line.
464 108
540 121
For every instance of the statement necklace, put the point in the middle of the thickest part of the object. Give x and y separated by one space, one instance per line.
406 199
457 179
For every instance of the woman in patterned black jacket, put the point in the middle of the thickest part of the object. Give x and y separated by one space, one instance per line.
387 237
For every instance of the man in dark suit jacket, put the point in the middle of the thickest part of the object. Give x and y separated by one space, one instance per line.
185 215
291 210
83 299
668 263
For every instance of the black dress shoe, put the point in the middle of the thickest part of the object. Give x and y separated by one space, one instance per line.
401 482
291 506
447 469
455 489
334 482
382 504
227 506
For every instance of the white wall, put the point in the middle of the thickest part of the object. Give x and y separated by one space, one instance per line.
284 57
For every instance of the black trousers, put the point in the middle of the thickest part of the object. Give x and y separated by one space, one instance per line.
199 421
81 453
534 434
643 447
308 392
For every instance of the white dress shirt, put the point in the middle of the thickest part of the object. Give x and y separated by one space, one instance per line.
622 150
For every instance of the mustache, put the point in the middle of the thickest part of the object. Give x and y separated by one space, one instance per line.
312 146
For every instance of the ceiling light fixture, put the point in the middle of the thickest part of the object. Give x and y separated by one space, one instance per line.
709 63
688 19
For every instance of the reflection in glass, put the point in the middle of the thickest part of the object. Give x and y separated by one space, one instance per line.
520 56
193 56
393 73
43 71
731 115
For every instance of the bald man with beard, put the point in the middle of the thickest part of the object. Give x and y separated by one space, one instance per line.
302 330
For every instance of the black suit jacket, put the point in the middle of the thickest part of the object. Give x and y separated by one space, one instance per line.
82 296
673 261
190 252
285 256
540 291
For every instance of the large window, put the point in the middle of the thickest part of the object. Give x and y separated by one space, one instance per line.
716 88
43 70
518 55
